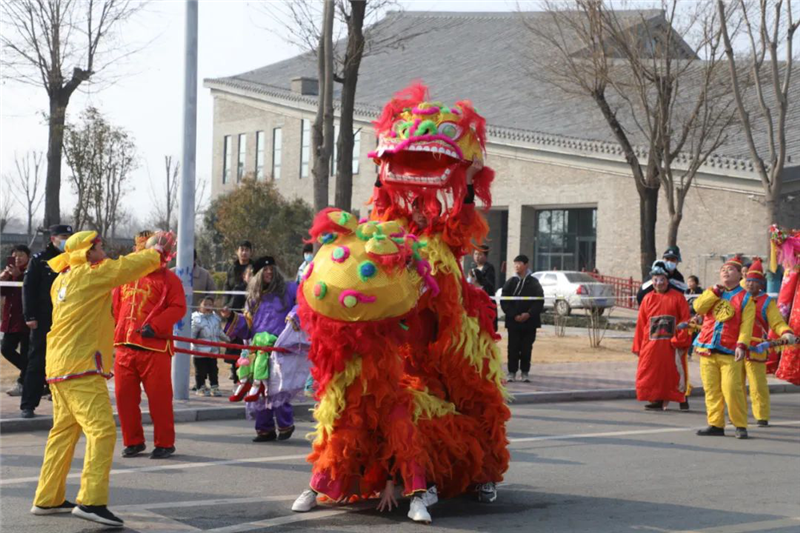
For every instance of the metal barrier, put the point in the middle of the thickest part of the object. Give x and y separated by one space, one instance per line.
625 289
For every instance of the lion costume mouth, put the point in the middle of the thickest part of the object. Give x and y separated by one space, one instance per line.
426 163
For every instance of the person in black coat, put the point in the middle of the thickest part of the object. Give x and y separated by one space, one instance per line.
482 274
671 259
236 282
523 317
37 308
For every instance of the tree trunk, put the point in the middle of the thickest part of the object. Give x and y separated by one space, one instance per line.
55 147
352 63
648 214
672 231
323 123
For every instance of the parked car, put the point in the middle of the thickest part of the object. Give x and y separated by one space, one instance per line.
565 291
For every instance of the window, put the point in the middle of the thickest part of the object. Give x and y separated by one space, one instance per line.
226 159
356 149
566 239
277 139
242 155
305 148
259 155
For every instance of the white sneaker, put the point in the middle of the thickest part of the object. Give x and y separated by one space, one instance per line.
305 502
418 512
430 497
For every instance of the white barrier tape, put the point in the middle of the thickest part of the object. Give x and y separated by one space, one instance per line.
10 284
227 293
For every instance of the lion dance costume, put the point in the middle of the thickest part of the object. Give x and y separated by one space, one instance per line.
785 249
405 360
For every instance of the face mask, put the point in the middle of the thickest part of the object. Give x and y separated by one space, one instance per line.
308 257
671 265
61 245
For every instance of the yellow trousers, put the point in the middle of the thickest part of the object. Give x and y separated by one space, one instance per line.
80 405
723 381
759 390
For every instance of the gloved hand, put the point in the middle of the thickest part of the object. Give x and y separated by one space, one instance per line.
147 332
164 243
790 337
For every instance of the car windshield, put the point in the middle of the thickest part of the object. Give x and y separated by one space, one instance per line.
579 277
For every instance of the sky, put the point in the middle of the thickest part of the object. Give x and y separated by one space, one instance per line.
146 98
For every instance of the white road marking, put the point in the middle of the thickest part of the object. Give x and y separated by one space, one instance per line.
734 528
291 519
149 522
203 503
630 432
176 466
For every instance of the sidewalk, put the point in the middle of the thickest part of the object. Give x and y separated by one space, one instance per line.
550 383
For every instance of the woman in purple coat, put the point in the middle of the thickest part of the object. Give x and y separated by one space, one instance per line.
270 298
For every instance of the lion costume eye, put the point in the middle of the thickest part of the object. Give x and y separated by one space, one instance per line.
450 130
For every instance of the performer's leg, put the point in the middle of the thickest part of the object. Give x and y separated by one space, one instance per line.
91 406
759 389
58 453
514 349
128 392
732 377
158 387
285 416
712 384
526 349
265 421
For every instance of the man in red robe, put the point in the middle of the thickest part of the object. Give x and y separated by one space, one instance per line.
662 375
145 312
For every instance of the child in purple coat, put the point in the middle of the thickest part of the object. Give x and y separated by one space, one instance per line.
270 298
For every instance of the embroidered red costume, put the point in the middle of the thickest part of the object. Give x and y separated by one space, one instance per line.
157 301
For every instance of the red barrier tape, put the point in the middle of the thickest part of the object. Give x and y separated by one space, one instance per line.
226 345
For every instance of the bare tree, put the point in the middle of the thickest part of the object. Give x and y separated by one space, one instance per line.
322 146
165 199
43 40
26 186
102 158
770 28
6 211
666 108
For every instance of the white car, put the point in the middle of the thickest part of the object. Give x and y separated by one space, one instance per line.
565 291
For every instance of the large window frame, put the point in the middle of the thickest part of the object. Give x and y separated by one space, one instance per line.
277 150
226 159
260 146
305 148
566 239
240 166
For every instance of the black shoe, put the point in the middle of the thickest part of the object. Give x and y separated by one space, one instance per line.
284 434
162 453
99 514
711 431
741 433
685 405
132 451
654 406
763 423
27 413
65 507
266 437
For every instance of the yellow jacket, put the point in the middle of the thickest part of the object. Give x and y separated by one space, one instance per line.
81 340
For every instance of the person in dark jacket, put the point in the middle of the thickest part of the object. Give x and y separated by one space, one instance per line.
15 332
482 274
671 257
37 308
236 282
523 317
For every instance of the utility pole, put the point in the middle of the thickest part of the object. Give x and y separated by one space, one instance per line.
180 364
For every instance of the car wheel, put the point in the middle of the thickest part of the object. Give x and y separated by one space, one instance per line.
563 308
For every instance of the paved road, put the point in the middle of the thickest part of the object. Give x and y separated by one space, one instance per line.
591 466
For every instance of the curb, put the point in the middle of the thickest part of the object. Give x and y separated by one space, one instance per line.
303 410
616 394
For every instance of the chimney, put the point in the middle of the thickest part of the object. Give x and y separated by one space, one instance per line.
305 86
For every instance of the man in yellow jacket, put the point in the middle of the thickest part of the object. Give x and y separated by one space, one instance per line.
79 361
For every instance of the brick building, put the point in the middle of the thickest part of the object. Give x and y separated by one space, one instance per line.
563 193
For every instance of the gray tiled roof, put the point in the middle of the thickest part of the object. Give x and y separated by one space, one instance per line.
484 57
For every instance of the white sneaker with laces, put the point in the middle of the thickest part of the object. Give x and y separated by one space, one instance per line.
430 496
305 502
418 512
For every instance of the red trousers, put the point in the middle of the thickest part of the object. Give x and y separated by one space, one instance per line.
132 368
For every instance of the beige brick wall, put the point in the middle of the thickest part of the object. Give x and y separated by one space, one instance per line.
715 221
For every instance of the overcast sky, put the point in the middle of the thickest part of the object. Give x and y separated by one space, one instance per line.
234 37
